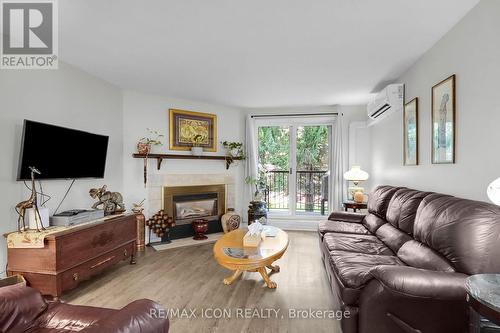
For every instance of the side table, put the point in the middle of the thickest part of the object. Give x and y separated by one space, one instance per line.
483 298
354 205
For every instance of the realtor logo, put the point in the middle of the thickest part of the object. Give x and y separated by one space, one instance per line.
29 34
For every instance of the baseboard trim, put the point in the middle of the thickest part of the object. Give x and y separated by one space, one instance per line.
298 225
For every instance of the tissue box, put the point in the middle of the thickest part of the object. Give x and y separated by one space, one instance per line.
251 240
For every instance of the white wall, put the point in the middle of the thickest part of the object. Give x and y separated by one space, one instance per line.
66 97
141 111
472 52
357 137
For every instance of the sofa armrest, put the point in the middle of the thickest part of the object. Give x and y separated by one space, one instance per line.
143 316
421 283
408 299
346 217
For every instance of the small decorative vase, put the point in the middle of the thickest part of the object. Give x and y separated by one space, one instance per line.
197 151
230 221
200 226
256 210
143 148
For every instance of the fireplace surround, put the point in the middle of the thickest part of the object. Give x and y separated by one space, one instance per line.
188 203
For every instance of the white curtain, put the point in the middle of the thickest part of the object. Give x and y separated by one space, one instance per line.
337 184
251 167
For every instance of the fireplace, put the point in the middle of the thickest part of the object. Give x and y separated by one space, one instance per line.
188 203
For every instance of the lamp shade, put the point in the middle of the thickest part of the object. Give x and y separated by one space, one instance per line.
356 174
493 191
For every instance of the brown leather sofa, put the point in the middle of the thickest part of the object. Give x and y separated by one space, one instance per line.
401 267
23 310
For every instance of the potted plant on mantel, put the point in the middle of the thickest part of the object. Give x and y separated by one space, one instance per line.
234 149
144 148
144 145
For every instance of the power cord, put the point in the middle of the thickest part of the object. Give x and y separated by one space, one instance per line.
65 195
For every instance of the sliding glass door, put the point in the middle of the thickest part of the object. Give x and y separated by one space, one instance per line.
293 158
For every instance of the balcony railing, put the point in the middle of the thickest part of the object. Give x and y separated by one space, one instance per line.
311 190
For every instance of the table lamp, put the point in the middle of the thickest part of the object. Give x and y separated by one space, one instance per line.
356 175
494 191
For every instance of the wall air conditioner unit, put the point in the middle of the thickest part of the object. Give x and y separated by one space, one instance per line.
388 101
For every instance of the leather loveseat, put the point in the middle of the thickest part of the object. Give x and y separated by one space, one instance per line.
402 266
23 310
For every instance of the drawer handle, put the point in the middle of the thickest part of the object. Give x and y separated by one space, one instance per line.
75 277
102 262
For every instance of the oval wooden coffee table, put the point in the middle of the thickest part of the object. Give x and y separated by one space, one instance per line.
255 260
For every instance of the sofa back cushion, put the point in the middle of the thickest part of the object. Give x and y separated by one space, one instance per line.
392 237
19 307
465 232
379 200
402 208
418 255
372 222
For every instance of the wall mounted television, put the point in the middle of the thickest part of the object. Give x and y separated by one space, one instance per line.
61 153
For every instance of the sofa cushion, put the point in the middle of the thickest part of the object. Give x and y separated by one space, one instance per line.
344 227
379 200
19 307
353 269
466 232
372 222
419 255
403 208
346 216
392 237
368 244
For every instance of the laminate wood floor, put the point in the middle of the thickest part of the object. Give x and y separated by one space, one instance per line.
189 279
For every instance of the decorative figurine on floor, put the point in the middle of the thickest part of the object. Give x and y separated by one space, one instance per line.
160 224
112 202
230 221
141 223
30 203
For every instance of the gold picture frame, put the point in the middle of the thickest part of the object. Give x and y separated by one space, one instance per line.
185 125
443 119
410 133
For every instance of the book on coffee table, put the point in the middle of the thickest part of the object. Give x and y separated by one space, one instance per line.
240 253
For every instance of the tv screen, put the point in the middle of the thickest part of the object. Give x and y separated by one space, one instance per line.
61 153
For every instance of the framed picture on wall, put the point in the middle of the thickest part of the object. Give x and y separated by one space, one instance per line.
188 129
410 133
443 121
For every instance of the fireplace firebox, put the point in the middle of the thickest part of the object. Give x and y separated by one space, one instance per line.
188 203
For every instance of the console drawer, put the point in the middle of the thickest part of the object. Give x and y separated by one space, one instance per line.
72 277
88 243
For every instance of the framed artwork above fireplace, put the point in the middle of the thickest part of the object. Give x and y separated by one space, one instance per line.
187 128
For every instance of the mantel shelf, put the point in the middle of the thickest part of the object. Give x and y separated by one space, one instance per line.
160 157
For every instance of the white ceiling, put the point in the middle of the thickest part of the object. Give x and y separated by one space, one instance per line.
253 53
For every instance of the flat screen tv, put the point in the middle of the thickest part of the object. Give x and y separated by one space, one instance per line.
61 153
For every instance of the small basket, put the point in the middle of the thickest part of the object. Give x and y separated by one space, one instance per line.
12 280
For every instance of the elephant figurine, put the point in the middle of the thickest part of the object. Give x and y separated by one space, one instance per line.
111 202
